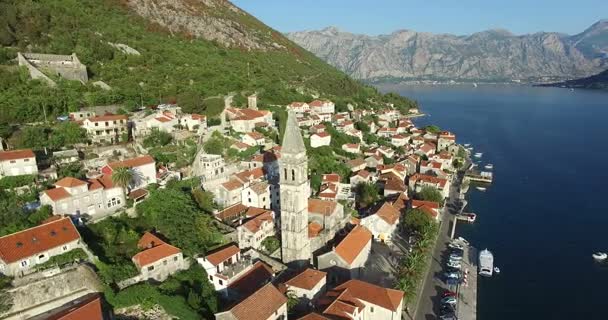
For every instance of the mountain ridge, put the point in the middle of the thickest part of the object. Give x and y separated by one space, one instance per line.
490 55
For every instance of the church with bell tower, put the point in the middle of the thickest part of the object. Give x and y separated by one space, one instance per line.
295 190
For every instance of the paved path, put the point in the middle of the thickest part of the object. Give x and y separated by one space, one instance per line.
428 303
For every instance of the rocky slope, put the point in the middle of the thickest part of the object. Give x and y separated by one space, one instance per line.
490 55
214 20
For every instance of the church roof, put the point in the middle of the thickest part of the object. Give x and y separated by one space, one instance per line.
292 140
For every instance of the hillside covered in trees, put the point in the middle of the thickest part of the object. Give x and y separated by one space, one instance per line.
177 62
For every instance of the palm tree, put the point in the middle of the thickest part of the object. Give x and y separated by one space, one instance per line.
122 177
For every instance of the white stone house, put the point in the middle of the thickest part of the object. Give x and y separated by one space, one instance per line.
255 230
347 259
352 148
320 139
158 259
383 223
229 193
253 139
322 106
364 301
308 285
418 181
399 140
106 128
17 162
211 166
256 195
143 169
78 197
20 252
267 303
299 107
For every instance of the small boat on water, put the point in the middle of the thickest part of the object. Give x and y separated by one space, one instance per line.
489 166
470 217
486 263
599 256
474 85
481 188
466 145
478 155
496 270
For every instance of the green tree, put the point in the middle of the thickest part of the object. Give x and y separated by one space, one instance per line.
43 213
292 301
432 129
157 138
122 177
205 200
271 244
366 194
429 193
417 221
67 134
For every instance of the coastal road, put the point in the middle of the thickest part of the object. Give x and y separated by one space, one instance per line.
428 305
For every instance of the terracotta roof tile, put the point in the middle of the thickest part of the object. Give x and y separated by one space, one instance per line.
260 305
232 185
253 279
352 245
108 117
131 163
388 213
219 256
386 298
57 194
322 207
90 309
307 279
16 154
154 254
32 241
69 182
231 212
149 240
313 316
314 229
256 223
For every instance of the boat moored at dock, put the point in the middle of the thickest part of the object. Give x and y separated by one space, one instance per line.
599 256
486 263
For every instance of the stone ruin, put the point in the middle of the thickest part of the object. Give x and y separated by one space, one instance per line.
65 66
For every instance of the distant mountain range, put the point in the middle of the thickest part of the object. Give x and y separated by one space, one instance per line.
493 55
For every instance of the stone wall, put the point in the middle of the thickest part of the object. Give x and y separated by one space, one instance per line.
51 290
68 67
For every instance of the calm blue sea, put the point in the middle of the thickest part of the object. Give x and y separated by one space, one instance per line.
547 211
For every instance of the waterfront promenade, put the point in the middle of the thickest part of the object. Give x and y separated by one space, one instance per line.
433 286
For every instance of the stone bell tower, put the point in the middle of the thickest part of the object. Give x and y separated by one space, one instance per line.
295 189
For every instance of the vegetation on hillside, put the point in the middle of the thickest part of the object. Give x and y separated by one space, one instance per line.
171 67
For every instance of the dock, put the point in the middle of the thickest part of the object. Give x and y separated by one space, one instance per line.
467 292
479 176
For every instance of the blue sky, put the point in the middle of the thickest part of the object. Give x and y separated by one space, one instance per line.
438 16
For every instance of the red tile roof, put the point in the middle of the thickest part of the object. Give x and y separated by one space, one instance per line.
331 177
90 309
162 119
69 182
231 212
108 117
56 194
132 163
352 245
313 316
388 213
232 185
386 298
16 154
314 229
322 134
149 240
256 223
429 207
322 207
307 279
219 256
253 279
154 254
32 241
255 135
262 304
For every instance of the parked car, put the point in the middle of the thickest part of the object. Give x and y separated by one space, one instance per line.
455 256
454 265
449 300
448 316
448 293
452 275
447 309
452 281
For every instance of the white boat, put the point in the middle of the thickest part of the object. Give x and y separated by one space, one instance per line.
470 217
474 85
486 263
478 155
466 145
496 270
481 188
489 166
600 256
